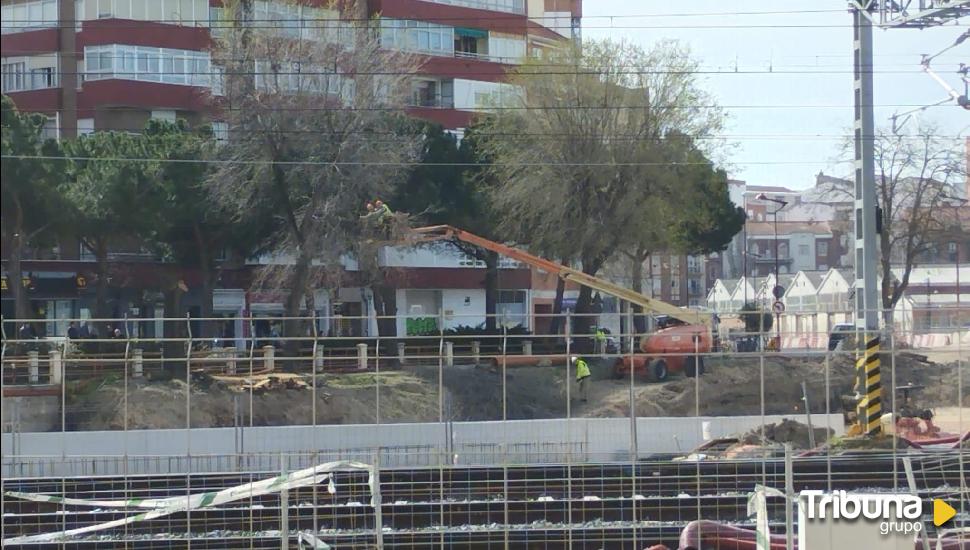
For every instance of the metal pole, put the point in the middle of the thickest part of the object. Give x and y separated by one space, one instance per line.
789 495
867 297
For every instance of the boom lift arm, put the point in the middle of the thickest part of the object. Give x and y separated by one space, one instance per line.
447 232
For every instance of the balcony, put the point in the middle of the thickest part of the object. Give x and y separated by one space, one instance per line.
436 94
505 6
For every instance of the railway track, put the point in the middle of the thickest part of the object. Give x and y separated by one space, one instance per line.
548 506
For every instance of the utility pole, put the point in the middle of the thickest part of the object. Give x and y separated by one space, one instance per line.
885 14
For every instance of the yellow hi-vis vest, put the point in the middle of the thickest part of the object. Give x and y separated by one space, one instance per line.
582 370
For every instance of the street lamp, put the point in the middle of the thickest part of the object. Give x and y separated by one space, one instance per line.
777 291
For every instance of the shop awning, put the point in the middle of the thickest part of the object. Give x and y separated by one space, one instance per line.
473 33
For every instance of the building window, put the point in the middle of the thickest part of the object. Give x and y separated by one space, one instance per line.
508 6
51 129
804 250
417 36
26 16
220 131
822 248
186 67
85 126
14 76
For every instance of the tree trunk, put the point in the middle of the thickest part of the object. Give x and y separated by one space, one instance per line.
585 317
639 321
174 328
557 319
15 267
385 306
294 299
101 288
491 290
15 276
208 281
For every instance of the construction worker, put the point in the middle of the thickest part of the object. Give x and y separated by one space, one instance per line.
600 337
582 373
382 209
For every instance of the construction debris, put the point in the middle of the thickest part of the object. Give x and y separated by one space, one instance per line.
263 382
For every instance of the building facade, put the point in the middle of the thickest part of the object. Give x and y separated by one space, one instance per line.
93 65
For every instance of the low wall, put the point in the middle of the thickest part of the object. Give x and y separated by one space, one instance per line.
228 449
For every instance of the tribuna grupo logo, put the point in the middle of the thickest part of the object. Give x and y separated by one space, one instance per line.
895 513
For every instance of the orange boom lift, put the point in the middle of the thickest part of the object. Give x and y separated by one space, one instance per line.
674 348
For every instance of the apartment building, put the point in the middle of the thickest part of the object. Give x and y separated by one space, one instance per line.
113 64
92 65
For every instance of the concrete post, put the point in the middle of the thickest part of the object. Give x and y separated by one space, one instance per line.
362 356
477 352
269 357
230 355
449 354
400 352
137 362
33 367
57 367
527 347
318 360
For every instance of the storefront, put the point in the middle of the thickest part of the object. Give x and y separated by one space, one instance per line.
52 296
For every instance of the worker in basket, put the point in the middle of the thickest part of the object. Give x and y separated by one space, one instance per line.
582 374
379 214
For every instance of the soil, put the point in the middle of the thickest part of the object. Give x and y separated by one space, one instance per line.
730 387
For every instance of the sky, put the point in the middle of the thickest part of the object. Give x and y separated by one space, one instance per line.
791 116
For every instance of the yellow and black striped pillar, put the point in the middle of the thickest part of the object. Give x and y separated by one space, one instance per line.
870 407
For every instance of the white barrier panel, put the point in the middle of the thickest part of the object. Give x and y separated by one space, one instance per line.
586 439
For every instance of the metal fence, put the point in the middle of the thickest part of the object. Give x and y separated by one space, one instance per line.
140 414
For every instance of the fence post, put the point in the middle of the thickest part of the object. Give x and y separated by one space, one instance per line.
138 362
318 360
527 347
33 367
269 357
57 367
476 352
400 352
449 354
230 355
362 356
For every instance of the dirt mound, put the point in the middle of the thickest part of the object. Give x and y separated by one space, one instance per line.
787 431
344 399
732 386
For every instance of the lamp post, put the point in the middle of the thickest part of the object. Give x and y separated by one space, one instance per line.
777 291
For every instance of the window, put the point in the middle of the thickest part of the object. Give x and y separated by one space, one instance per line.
506 49
14 76
85 126
188 67
44 77
804 250
417 36
51 129
166 115
220 131
27 16
822 247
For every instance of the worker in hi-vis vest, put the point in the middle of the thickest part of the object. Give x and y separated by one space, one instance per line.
582 373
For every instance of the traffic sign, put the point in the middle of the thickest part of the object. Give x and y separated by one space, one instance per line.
778 291
778 307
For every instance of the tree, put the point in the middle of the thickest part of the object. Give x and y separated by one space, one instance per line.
690 213
595 117
916 173
188 226
109 190
450 187
30 193
313 135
